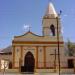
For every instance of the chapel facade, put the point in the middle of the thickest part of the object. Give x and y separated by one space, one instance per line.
34 53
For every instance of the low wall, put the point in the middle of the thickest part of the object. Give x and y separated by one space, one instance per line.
67 71
45 70
10 71
63 71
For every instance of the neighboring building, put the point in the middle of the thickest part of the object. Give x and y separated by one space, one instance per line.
6 58
34 53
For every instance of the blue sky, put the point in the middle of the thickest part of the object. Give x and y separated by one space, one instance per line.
14 14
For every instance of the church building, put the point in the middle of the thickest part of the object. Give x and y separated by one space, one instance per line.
32 52
35 53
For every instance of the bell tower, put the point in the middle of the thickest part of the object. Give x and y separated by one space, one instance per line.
50 21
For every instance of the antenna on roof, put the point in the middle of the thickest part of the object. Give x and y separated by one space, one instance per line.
27 27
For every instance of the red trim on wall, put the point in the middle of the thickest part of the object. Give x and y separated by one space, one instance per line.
35 42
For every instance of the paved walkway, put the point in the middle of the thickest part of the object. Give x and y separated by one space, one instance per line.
35 74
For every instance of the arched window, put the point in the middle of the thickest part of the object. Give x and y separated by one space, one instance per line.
52 30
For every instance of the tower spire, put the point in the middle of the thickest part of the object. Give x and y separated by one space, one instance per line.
51 10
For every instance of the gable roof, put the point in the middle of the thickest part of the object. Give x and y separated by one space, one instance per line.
29 32
28 36
6 50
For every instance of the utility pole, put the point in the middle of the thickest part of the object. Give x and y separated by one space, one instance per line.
54 59
57 19
58 44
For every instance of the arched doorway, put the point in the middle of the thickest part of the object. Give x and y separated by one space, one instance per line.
29 62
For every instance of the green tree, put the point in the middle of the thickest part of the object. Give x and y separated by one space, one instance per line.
70 49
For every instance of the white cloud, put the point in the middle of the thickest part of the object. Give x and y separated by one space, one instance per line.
65 15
